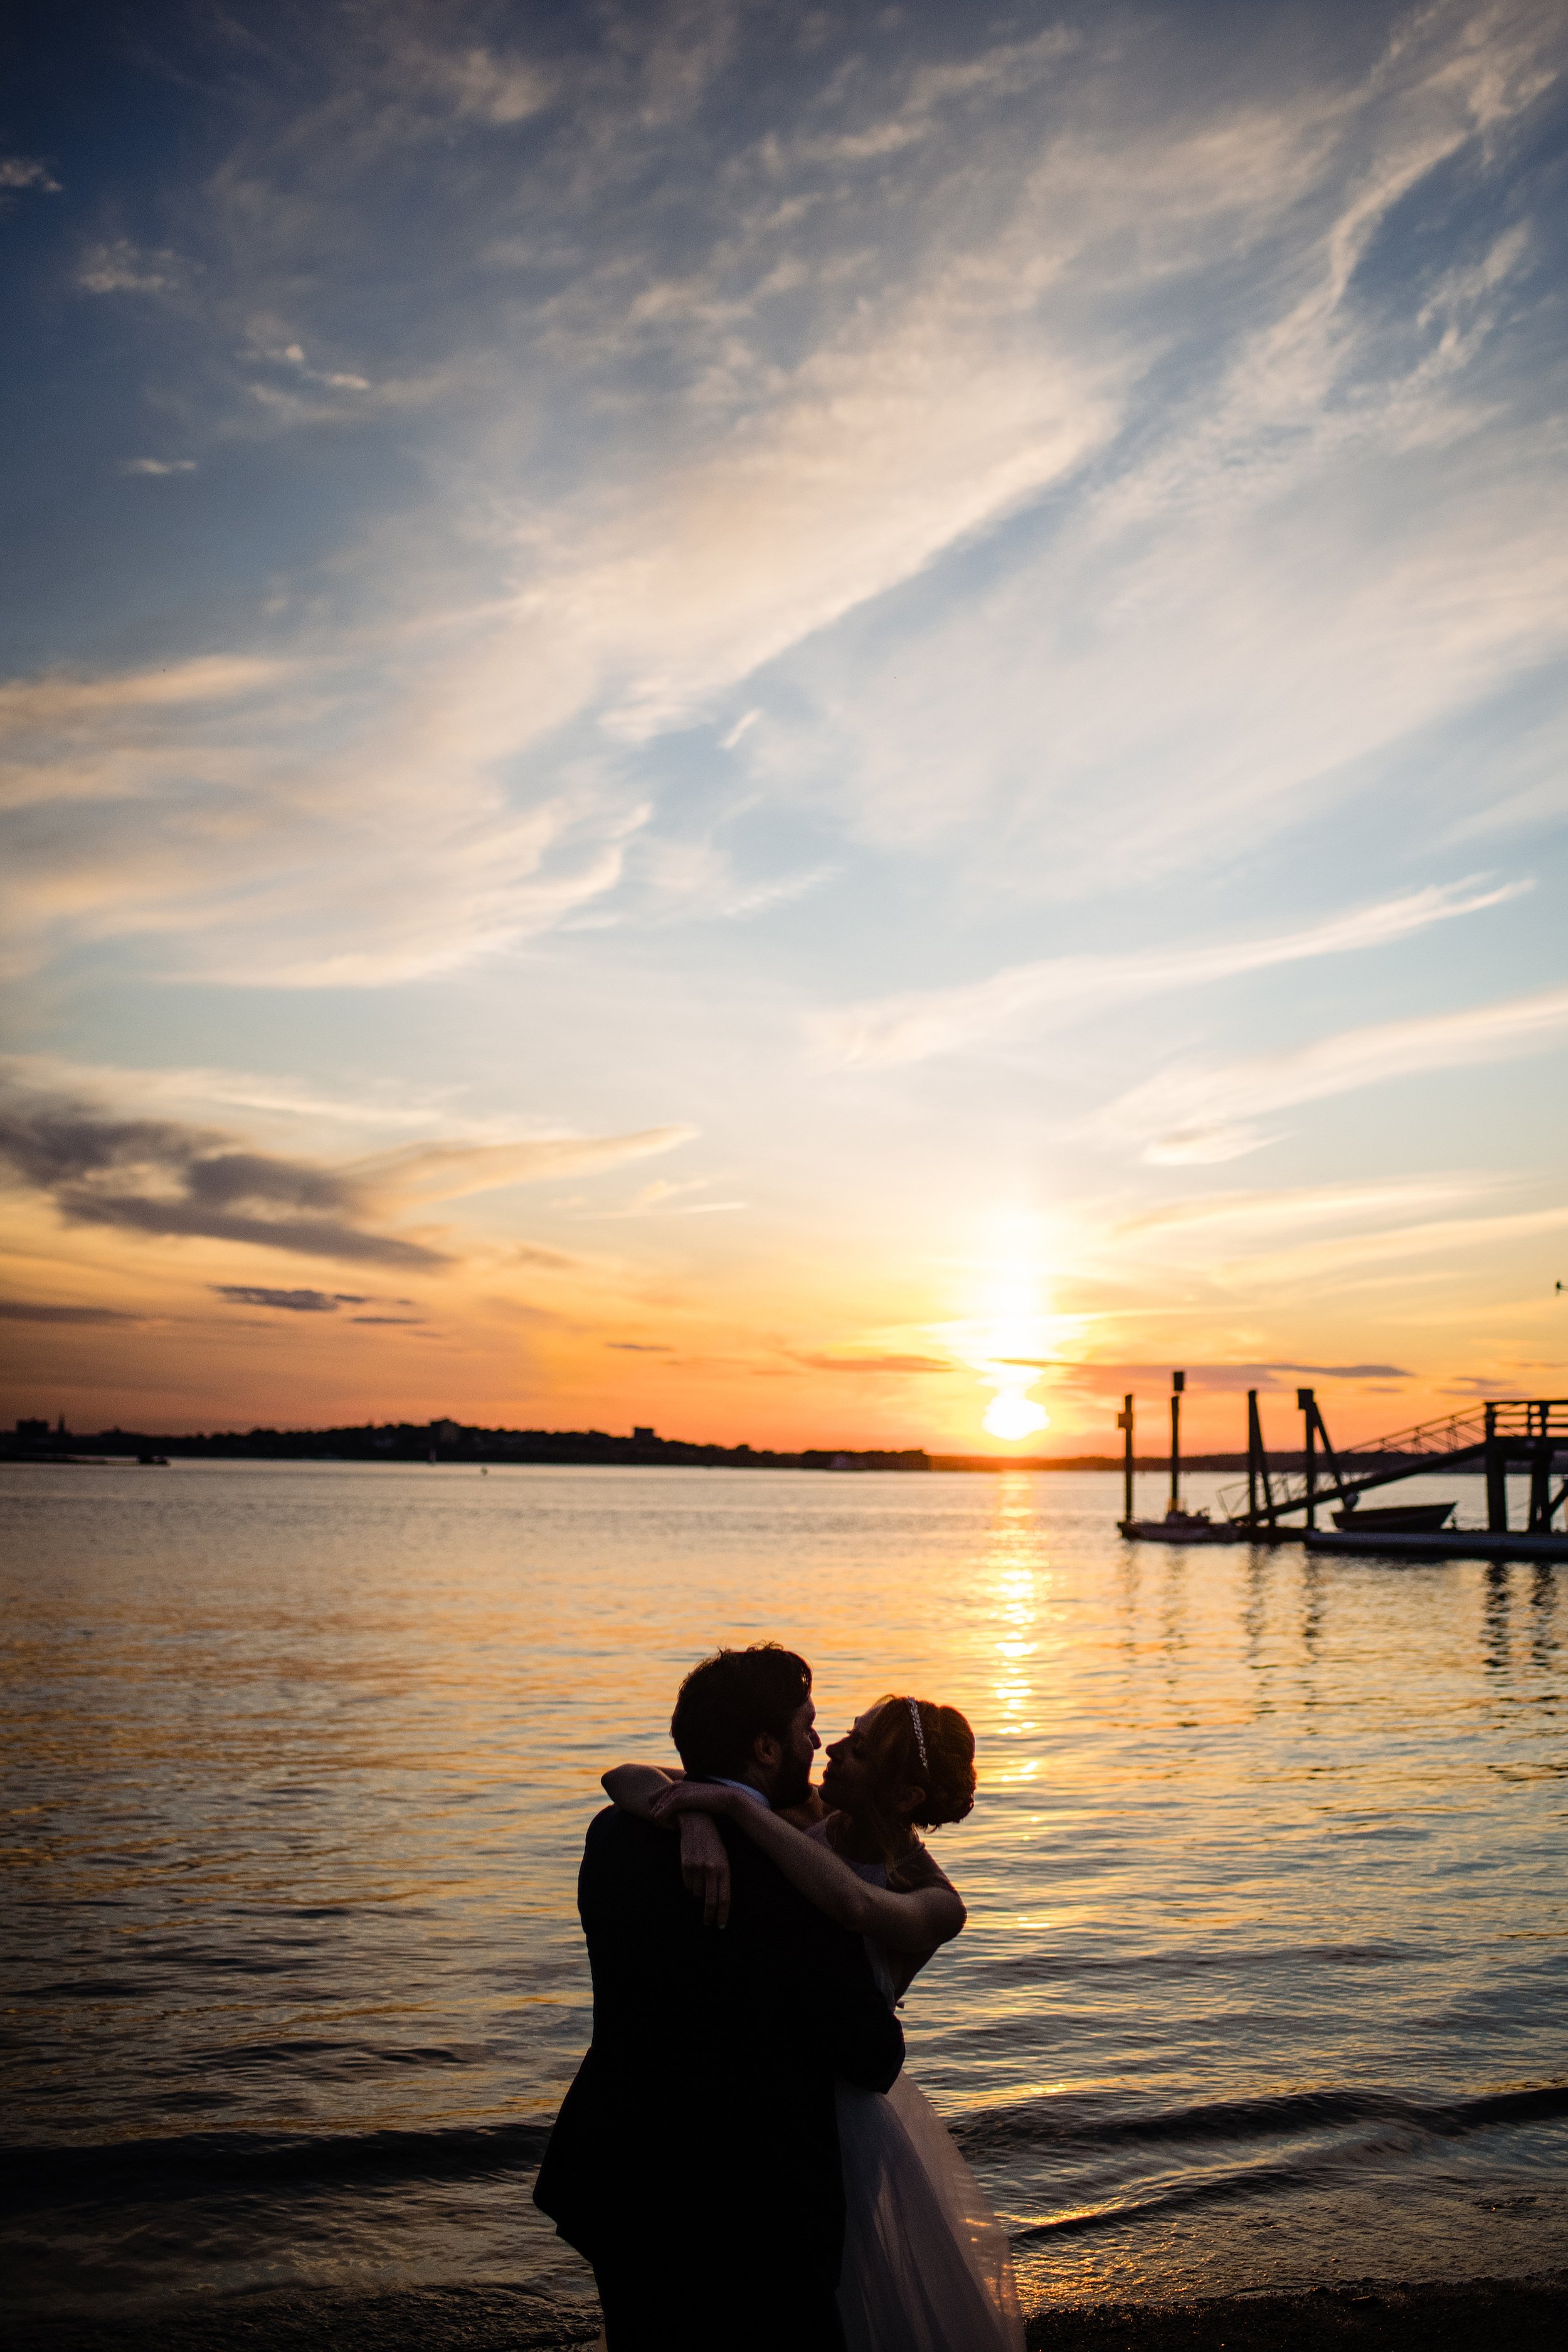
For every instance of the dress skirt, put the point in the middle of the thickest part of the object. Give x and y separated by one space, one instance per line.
926 2262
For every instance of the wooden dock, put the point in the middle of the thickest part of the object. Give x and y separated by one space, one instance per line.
1524 1435
1448 1543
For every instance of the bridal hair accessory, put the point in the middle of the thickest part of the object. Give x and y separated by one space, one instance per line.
914 1707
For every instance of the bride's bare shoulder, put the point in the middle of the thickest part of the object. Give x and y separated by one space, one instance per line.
920 1868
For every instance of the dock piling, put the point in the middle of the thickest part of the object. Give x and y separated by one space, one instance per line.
1542 1458
1256 1465
1497 1477
1124 1424
1178 1382
1308 1403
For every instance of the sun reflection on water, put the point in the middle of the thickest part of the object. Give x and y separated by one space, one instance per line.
1014 1549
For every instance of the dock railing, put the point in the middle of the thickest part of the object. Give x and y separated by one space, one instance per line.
1502 1430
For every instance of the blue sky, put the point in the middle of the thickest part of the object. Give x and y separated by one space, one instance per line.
862 691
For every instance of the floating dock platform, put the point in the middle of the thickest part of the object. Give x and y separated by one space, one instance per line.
1448 1543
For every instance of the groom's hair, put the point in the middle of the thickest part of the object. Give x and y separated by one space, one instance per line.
732 1700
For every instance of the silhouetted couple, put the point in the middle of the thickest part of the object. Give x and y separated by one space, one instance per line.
740 2158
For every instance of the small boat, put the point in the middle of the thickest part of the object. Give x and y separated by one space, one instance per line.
1177 1526
1180 1528
1395 1519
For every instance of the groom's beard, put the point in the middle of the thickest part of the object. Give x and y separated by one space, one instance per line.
793 1784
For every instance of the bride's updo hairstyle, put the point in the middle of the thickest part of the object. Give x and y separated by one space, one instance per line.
945 1776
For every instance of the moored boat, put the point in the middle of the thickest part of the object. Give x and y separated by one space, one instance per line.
1448 1543
1180 1527
1395 1519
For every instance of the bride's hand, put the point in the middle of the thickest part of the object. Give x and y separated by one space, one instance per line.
691 1797
705 1866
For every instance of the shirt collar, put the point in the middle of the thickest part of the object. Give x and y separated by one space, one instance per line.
745 1787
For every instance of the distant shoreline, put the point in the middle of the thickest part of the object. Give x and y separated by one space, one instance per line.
447 1443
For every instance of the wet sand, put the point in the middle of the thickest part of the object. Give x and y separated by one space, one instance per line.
1528 2314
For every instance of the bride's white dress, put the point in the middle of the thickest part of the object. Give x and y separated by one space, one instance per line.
926 2262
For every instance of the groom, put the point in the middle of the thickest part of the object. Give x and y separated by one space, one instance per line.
695 2160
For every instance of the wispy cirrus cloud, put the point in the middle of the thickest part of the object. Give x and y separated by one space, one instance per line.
937 292
278 1098
1254 1217
790 491
1343 489
1193 1114
448 1172
1301 1269
918 1025
182 766
66 714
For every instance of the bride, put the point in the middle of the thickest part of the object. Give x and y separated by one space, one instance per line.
926 2265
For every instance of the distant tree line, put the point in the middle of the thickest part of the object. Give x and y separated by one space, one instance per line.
444 1440
450 1440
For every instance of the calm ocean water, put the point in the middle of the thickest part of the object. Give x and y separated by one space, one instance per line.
1267 1966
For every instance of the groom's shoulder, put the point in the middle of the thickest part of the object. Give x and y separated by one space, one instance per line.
621 1849
614 1833
628 1865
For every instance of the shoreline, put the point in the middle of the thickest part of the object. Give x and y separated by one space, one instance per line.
166 1453
1530 2312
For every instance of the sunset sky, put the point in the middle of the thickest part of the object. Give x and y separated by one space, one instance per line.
790 722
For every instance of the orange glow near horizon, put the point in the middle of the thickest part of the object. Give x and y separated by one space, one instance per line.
1024 1340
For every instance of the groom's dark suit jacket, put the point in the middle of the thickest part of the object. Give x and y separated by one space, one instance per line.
695 2160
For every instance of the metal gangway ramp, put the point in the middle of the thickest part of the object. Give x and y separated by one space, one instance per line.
1513 1434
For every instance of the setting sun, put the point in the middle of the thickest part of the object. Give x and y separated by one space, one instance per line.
1014 1336
1013 1414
